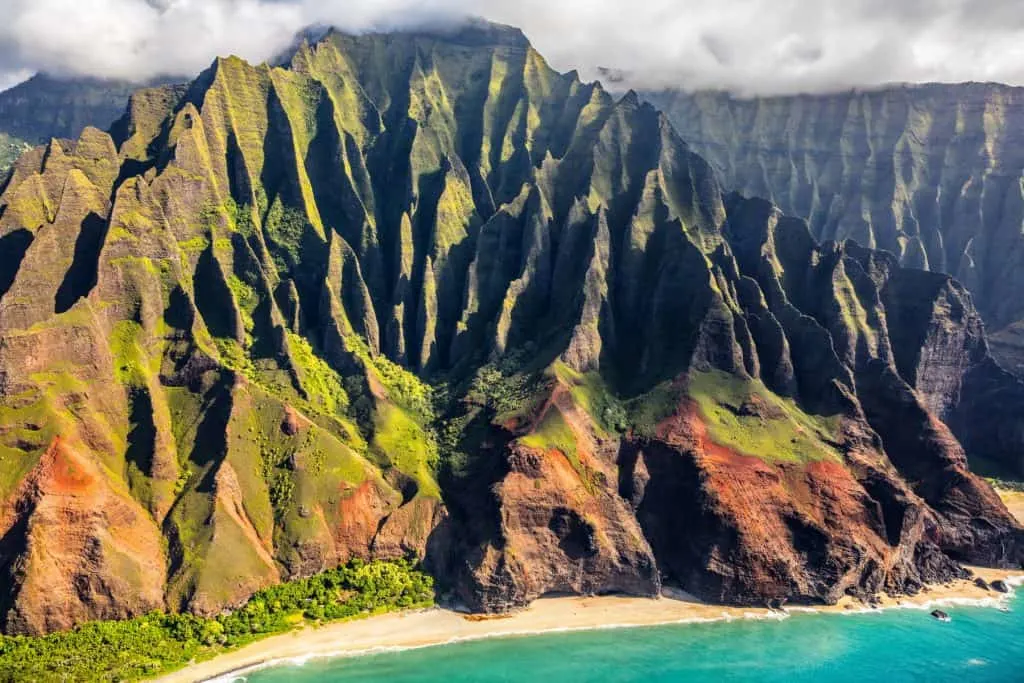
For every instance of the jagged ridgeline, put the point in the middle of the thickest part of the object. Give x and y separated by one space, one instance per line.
421 295
932 173
44 107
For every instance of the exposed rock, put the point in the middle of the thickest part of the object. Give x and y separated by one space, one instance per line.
562 529
290 424
1000 586
74 548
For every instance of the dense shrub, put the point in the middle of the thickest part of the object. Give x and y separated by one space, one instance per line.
158 642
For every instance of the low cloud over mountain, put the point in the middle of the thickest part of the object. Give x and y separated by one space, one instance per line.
748 46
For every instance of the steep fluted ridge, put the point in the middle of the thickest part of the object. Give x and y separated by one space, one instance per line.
931 173
419 294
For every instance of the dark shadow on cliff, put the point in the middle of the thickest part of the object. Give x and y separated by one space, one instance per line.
467 479
13 246
81 276
141 433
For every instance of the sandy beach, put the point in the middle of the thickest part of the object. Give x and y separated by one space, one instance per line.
438 626
1014 501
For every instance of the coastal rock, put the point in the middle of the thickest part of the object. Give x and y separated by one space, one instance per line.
561 527
1000 586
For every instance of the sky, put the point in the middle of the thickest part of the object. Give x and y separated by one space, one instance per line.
749 47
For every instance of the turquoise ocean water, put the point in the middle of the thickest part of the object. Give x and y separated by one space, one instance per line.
892 646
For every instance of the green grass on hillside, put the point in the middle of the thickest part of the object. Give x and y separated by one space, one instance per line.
647 410
555 433
158 643
591 393
780 433
321 381
402 429
407 446
552 433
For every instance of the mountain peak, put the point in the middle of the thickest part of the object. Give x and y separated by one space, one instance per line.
475 32
469 32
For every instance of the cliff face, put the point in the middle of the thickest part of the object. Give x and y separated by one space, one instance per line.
419 294
931 173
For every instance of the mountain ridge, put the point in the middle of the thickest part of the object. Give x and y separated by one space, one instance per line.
219 321
929 172
47 106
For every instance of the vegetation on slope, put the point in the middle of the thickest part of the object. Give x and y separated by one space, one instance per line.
746 417
740 413
10 149
591 393
158 643
403 429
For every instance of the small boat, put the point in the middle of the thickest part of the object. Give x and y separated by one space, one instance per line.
940 615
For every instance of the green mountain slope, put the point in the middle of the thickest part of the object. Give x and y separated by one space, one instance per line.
419 294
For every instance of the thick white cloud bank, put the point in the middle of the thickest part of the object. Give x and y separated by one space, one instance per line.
747 46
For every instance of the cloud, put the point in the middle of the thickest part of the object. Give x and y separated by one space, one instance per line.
748 46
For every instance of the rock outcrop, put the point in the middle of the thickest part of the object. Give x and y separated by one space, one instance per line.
418 294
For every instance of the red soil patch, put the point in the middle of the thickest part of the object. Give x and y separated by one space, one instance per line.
578 422
63 471
689 422
359 513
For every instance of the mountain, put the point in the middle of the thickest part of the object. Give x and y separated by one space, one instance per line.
933 173
419 294
45 107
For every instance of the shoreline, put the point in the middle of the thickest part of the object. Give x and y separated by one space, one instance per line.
438 626
1014 501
